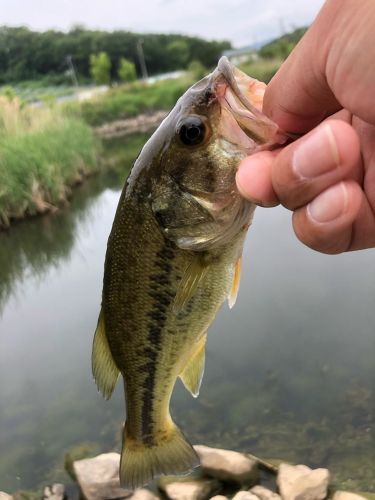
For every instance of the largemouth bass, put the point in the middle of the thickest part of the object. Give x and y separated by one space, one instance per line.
173 257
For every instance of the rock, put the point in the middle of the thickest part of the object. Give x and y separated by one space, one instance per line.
264 494
5 496
98 477
54 492
245 495
227 465
190 489
346 495
140 123
144 494
298 482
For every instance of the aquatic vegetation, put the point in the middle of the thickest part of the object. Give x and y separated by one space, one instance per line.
43 153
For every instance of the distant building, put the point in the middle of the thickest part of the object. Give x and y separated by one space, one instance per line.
241 55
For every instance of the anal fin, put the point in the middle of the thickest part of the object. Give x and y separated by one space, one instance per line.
232 297
192 374
104 369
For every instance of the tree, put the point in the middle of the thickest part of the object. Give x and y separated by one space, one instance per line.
178 53
31 55
126 70
100 68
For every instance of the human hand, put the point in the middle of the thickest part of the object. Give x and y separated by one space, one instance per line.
327 177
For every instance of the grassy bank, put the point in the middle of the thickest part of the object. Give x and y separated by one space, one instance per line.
130 100
43 153
262 69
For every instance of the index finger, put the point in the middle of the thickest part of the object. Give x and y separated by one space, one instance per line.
299 97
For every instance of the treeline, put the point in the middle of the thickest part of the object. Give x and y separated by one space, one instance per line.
281 47
30 55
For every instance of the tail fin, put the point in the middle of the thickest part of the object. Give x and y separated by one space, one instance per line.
140 463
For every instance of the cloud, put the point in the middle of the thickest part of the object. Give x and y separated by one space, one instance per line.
241 21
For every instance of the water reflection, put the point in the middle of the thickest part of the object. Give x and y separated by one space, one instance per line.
290 371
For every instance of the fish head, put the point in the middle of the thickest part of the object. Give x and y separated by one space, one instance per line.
218 121
199 146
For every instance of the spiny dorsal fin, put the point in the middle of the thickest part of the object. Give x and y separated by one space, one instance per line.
232 297
192 278
192 374
104 369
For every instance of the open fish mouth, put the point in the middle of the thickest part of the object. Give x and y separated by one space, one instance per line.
242 121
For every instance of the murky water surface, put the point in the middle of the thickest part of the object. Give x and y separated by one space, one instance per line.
290 370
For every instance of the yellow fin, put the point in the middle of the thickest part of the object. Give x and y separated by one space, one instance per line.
104 368
192 374
140 463
232 297
192 278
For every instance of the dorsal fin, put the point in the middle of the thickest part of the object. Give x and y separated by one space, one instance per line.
104 368
232 297
192 374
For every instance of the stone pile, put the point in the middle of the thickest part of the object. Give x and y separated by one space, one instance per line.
138 124
223 474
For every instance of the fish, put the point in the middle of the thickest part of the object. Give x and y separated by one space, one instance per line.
173 257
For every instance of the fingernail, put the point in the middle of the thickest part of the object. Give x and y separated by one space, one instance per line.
329 205
316 154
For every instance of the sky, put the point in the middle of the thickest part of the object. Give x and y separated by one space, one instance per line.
243 22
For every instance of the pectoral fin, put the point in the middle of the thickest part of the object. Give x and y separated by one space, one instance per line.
193 277
232 297
192 374
104 368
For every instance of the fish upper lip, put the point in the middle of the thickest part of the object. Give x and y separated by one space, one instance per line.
225 69
249 118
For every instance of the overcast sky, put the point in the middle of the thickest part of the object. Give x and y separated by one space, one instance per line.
242 22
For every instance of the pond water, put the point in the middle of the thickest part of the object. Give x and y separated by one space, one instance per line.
290 370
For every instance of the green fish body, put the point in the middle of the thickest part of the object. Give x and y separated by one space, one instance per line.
173 258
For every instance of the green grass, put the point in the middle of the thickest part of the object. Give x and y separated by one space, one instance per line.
262 69
31 91
130 100
43 153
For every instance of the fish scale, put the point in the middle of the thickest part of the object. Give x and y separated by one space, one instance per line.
173 257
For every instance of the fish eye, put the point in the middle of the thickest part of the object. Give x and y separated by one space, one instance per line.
192 131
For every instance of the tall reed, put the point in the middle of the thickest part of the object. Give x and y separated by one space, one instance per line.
43 153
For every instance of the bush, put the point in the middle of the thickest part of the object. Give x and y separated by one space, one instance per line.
197 70
100 68
262 69
126 71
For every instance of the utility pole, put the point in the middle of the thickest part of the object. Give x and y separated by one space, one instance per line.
72 71
141 57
